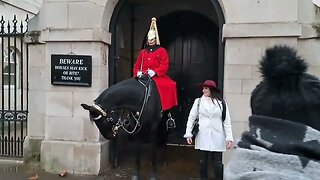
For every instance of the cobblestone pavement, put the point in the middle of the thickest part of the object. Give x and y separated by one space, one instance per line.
182 164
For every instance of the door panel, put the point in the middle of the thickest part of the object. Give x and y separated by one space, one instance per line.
192 44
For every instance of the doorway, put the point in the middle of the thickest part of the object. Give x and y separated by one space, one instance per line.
191 33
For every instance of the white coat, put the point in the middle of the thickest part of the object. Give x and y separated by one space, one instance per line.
213 133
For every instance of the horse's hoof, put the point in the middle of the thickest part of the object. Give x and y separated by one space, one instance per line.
115 163
153 178
135 177
165 165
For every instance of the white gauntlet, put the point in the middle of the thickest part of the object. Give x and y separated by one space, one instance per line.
139 74
151 73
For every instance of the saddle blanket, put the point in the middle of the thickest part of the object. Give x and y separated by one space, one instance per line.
168 92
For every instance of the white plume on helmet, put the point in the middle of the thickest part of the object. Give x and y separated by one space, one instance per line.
151 34
153 31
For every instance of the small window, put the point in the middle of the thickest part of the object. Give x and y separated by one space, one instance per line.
10 69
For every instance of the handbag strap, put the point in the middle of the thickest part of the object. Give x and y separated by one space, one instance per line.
223 108
199 100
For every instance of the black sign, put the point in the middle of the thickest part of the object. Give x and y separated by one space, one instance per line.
71 70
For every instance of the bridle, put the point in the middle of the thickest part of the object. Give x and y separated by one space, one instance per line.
138 120
98 107
136 116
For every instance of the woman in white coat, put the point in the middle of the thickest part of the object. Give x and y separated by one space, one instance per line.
215 135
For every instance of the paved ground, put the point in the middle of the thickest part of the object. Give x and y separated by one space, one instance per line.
182 165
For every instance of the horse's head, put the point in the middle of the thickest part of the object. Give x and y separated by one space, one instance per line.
123 105
105 121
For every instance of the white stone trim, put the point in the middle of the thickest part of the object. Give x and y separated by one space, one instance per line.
31 7
308 32
316 2
76 35
261 30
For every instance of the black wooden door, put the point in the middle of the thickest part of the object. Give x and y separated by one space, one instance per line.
192 44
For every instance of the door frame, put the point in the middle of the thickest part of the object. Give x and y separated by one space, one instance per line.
221 22
112 51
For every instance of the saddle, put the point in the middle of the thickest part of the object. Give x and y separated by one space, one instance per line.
170 123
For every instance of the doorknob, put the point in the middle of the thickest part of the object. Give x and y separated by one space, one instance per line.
116 58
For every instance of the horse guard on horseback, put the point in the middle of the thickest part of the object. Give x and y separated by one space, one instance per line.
136 105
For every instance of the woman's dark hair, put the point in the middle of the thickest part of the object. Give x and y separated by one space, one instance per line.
215 94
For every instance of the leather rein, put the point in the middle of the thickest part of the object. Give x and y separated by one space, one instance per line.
135 115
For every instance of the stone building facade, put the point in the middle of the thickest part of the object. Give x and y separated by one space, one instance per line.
9 8
59 130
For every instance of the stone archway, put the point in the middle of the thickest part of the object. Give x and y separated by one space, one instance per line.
128 28
134 17
55 110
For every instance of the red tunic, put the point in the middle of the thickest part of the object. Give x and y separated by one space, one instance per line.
158 61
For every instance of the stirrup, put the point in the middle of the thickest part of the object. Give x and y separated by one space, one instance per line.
171 123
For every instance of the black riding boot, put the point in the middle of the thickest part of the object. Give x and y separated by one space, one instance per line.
218 171
203 170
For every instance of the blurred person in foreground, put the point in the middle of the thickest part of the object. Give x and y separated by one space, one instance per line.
283 140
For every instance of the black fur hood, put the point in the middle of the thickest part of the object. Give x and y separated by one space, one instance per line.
287 91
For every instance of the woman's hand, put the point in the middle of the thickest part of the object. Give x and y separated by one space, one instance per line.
229 144
189 140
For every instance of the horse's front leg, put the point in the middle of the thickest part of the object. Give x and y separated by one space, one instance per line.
153 157
114 152
136 171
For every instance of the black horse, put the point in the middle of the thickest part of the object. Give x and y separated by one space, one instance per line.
133 106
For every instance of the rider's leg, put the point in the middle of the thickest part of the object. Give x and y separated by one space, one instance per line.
153 157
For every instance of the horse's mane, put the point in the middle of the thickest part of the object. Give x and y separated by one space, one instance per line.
126 94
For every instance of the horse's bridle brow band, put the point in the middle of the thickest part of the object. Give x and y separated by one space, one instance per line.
104 113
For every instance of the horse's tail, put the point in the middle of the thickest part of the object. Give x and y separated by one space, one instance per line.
281 65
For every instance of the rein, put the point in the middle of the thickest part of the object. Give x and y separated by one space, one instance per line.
138 121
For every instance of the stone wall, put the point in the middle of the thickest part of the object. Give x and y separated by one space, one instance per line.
59 125
253 26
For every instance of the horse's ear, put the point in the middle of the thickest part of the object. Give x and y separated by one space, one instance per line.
86 107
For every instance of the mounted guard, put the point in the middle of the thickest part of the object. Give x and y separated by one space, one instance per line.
154 61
